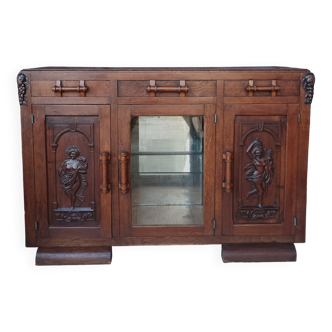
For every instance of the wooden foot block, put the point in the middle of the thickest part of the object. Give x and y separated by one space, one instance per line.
260 252
74 256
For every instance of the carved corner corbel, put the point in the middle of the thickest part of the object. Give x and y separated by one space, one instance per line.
308 83
22 85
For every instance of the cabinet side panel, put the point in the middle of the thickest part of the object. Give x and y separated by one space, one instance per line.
28 170
302 170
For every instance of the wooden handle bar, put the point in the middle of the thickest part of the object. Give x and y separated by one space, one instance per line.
227 184
104 185
167 88
263 88
273 88
182 88
58 88
123 169
69 88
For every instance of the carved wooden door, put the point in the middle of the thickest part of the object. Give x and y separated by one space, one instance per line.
71 152
166 170
259 169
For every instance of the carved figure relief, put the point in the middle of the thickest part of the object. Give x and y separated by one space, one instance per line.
72 176
308 83
22 82
260 170
256 201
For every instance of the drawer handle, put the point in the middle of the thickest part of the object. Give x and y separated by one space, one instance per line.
104 185
182 88
58 88
227 184
123 172
273 88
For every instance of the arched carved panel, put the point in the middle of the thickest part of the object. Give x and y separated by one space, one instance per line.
72 170
259 176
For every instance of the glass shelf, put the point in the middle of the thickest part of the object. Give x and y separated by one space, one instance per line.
167 165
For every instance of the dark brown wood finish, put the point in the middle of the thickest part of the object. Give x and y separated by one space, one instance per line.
76 121
124 170
258 252
126 227
264 144
28 160
70 145
104 185
74 256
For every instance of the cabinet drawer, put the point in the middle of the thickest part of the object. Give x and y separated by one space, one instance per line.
238 88
139 88
94 88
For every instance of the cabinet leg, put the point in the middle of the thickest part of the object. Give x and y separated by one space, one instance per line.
258 252
74 256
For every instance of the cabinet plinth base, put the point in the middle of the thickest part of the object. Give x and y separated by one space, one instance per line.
258 252
74 256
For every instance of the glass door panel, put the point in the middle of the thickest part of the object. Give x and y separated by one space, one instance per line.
167 170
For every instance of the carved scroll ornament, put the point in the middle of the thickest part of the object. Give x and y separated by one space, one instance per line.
308 83
22 83
74 216
72 175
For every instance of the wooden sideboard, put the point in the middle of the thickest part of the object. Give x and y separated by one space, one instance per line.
150 156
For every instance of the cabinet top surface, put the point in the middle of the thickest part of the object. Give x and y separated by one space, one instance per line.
115 69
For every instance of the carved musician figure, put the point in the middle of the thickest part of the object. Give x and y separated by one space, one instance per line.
72 175
260 170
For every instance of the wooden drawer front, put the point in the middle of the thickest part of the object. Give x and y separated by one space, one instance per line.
94 88
139 88
238 88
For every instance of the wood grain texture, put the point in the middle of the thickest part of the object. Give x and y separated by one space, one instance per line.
290 163
274 119
172 231
262 100
114 160
302 169
139 88
114 95
219 161
105 145
73 197
74 233
165 100
209 167
72 110
238 88
70 100
28 171
40 167
227 144
162 240
174 110
169 74
249 253
124 146
94 89
74 256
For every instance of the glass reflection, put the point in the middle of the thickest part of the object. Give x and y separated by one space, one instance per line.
167 170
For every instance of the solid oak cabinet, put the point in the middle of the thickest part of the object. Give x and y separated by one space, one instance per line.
148 156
